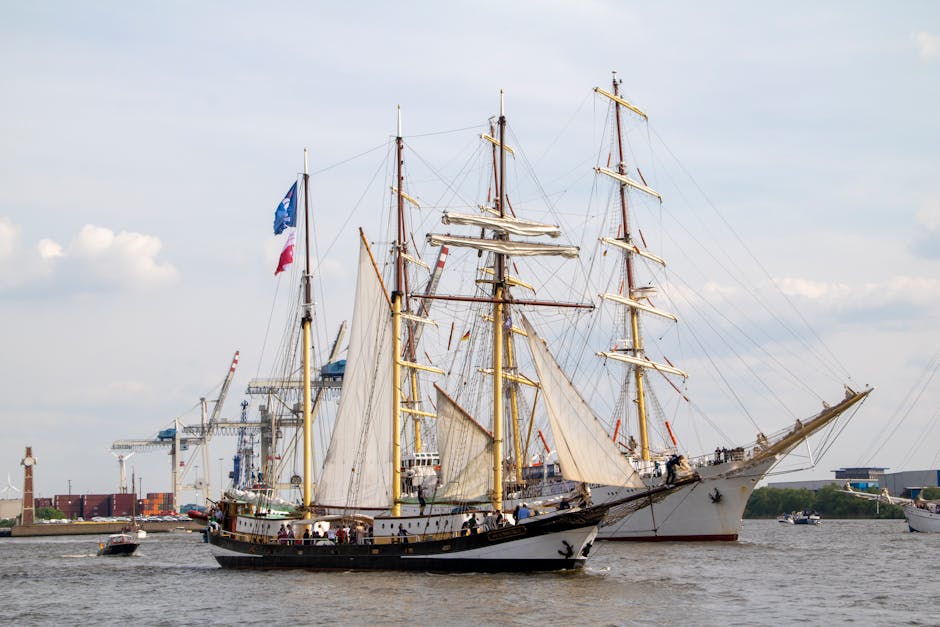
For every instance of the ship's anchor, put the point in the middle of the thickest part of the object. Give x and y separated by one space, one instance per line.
715 497
586 549
568 552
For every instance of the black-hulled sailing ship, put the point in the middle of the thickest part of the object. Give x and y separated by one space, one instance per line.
337 528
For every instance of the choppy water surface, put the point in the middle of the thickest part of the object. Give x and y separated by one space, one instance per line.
861 572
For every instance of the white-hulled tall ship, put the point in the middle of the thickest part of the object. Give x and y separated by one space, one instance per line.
711 509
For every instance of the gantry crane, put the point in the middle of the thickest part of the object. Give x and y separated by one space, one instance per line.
180 438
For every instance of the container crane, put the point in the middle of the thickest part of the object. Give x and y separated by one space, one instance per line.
180 438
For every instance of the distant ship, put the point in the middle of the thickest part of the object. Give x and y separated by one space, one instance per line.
921 514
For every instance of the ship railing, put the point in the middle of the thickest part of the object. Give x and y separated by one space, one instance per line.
366 539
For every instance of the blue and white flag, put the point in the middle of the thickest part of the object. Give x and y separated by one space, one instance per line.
285 216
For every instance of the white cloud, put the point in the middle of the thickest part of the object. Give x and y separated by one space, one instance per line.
928 46
96 257
8 236
125 258
898 290
929 215
49 249
813 290
927 235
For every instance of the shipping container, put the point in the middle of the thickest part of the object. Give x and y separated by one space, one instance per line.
96 505
123 504
69 504
42 501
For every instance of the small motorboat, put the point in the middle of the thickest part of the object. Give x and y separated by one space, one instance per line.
806 518
799 518
118 544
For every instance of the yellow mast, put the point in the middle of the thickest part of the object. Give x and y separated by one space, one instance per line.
307 342
414 400
637 341
498 398
498 314
514 409
396 403
508 337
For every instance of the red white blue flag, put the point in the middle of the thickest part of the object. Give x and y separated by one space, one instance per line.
287 254
285 216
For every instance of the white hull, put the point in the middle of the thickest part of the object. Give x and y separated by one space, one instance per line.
921 519
708 510
544 547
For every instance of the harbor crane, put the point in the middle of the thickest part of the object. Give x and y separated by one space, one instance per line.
180 438
122 462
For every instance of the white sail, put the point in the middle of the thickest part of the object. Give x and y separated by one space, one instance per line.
466 451
626 180
633 248
585 451
510 226
515 249
629 302
643 363
358 465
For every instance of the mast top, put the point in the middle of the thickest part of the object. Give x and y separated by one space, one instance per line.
399 121
305 161
502 109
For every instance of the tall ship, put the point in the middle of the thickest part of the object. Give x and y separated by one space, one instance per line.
922 515
355 517
711 509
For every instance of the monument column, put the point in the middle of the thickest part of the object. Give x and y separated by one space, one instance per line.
29 512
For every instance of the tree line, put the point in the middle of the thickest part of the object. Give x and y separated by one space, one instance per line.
828 502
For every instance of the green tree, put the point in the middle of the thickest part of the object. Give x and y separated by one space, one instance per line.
828 501
48 513
931 494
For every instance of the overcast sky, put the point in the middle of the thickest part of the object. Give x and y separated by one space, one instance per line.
143 147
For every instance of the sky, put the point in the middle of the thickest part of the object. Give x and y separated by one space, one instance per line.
145 146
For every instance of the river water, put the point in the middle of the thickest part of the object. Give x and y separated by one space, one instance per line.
840 572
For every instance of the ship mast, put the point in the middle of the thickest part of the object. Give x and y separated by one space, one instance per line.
634 353
501 246
636 339
508 339
306 322
499 288
396 333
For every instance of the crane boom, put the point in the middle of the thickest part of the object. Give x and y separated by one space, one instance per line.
217 410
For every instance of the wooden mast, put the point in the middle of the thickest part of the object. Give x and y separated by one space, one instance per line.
508 339
499 286
636 340
396 333
306 322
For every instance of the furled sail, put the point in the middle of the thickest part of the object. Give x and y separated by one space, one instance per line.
466 451
626 180
510 226
633 248
585 451
643 363
515 249
629 302
358 465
